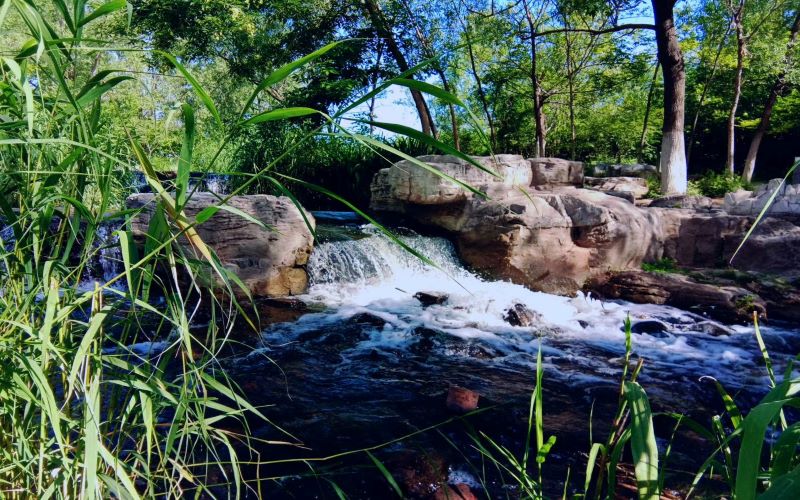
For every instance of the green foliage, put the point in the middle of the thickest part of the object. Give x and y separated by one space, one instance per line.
716 185
665 265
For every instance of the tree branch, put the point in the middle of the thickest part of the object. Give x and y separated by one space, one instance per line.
613 29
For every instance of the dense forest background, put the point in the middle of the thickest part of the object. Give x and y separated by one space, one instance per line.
576 79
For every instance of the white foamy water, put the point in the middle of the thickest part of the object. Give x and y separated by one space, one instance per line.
579 335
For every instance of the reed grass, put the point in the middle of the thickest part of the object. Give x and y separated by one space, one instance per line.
82 413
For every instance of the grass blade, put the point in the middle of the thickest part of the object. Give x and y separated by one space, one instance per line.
643 442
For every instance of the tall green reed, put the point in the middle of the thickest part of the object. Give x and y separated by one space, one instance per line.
81 413
738 439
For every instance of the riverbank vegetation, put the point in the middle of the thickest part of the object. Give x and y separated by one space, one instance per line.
92 92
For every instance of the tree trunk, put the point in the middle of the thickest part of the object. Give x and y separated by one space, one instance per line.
571 89
647 109
374 83
538 113
437 66
777 89
378 21
706 85
479 84
451 108
673 153
737 13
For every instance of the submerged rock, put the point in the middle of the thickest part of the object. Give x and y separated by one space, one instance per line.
461 400
431 298
652 327
520 315
366 318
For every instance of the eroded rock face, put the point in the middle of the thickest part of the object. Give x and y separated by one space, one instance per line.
785 203
555 239
725 303
406 183
551 172
636 186
269 263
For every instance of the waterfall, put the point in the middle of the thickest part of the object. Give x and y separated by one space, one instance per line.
371 274
210 182
376 258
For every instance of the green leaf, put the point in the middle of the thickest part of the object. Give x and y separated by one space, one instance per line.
106 8
427 88
206 213
785 451
89 95
754 429
386 474
643 442
764 210
281 114
430 141
198 88
785 487
284 71
185 159
730 406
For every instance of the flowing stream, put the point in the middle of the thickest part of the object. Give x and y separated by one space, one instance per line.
374 363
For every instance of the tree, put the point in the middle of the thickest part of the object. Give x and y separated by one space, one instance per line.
778 88
673 153
737 18
384 30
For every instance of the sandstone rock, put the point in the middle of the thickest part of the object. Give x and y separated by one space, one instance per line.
785 203
269 263
461 400
713 328
625 170
554 240
431 298
549 172
725 303
683 201
625 195
633 185
519 315
405 182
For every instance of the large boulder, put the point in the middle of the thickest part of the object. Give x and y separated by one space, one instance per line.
550 172
555 239
724 303
625 170
785 203
407 183
610 185
270 262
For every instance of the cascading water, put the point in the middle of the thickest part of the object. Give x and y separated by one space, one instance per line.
582 338
373 363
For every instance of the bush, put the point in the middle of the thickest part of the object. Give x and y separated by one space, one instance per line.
716 185
665 265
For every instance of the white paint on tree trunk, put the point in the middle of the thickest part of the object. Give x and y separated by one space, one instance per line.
673 163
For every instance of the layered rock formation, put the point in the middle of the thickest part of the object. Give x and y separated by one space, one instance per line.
552 236
786 201
270 262
636 186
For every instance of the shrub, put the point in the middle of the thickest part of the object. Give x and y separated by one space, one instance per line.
716 185
665 265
